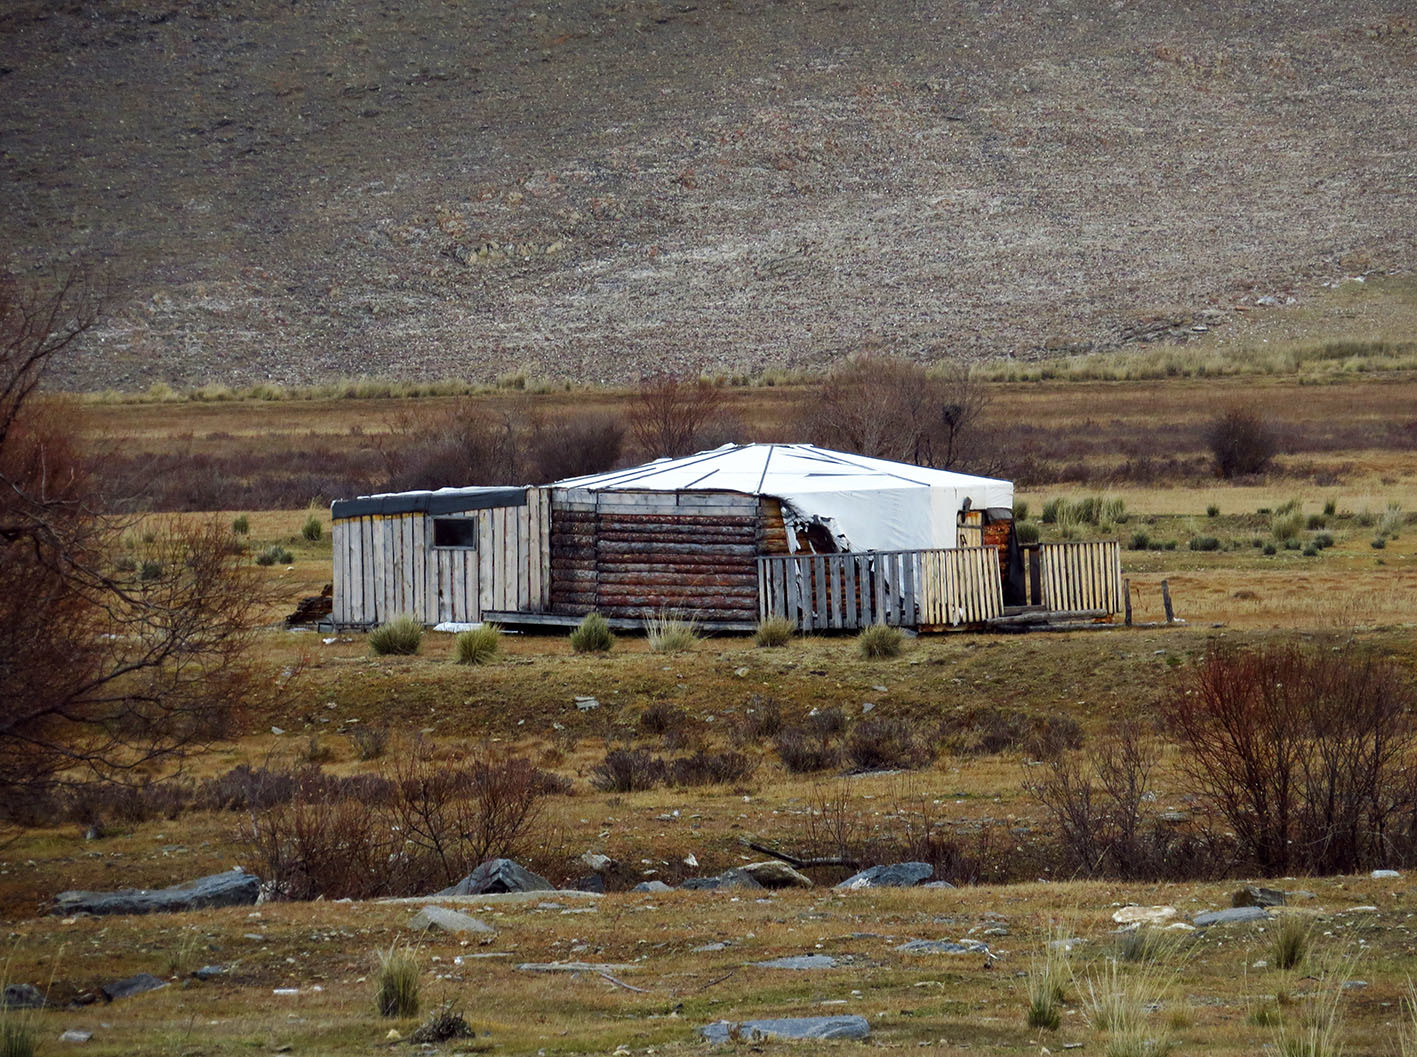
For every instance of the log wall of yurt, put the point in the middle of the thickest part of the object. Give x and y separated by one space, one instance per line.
633 554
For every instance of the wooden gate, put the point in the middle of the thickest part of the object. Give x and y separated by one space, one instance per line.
902 588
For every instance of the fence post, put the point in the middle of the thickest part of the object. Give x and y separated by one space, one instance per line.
1166 601
1127 598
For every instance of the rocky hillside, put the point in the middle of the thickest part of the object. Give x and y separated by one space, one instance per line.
590 188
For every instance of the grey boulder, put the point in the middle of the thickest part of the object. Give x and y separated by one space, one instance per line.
499 875
455 921
1254 896
894 875
230 889
652 886
1229 916
846 1027
939 947
774 874
133 985
21 996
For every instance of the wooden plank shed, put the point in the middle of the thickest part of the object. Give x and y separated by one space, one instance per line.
726 537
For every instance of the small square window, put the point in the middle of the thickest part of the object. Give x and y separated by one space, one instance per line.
455 532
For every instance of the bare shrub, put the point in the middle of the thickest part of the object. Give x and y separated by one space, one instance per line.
1305 753
711 768
814 745
986 729
663 717
331 848
877 743
370 741
762 718
463 442
669 415
572 446
1241 442
628 771
891 408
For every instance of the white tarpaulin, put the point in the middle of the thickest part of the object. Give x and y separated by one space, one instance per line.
867 504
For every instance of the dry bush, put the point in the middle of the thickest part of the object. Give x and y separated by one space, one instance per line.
1306 753
670 416
762 718
711 768
662 718
458 443
572 446
628 771
880 742
985 730
1241 442
891 408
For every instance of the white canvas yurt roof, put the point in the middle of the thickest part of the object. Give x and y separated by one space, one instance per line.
867 504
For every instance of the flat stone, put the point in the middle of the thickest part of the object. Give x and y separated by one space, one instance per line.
800 962
209 972
1385 875
936 947
728 879
448 920
709 948
499 875
75 1035
229 889
652 886
21 996
133 985
1254 896
591 882
936 884
1230 916
843 1027
894 875
1154 915
774 874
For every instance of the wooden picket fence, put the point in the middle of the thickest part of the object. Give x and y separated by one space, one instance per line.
1078 577
922 588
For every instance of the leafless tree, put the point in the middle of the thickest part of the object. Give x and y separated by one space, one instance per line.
891 408
670 415
108 665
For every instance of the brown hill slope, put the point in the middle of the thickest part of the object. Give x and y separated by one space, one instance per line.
595 189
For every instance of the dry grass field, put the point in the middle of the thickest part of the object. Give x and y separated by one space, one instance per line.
300 975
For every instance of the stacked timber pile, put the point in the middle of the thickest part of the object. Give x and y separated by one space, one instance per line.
313 608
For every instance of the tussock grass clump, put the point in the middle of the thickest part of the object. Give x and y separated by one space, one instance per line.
592 635
275 554
477 645
241 525
17 1036
1286 524
1204 543
1048 973
1289 947
774 631
1144 945
670 634
312 530
1118 1004
396 982
370 743
1407 1034
1027 532
399 637
880 640
1317 1030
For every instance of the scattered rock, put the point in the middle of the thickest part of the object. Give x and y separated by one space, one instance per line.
1134 915
597 863
939 947
800 962
652 886
21 996
1230 916
936 884
709 948
774 874
133 985
585 704
1254 896
895 875
591 882
727 879
1385 875
499 875
846 1027
75 1035
229 889
209 972
455 921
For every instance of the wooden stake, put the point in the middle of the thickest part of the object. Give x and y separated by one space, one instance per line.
1127 598
1166 601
